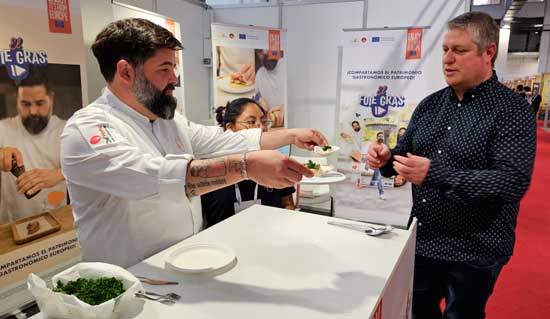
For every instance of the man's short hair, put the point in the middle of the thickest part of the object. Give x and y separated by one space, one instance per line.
527 88
519 87
402 128
379 133
482 27
355 122
37 76
134 40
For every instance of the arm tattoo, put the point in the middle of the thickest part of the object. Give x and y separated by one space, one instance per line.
192 188
209 168
216 168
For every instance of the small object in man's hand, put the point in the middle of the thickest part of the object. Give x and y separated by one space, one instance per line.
18 171
33 227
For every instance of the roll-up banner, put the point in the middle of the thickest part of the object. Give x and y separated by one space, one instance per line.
250 62
383 78
42 83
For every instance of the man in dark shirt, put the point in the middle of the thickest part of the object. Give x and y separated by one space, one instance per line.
536 100
469 151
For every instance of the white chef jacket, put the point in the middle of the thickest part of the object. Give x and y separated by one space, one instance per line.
126 178
271 84
38 151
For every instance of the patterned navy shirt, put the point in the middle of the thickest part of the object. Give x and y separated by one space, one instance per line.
482 151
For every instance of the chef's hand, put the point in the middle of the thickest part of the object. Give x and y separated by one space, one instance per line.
34 180
307 138
6 154
413 168
248 73
378 155
273 169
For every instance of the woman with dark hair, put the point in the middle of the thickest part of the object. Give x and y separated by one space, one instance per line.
242 114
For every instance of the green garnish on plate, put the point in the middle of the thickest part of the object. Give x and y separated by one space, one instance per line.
312 165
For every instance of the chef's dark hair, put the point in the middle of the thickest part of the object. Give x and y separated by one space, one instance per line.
37 76
232 110
134 40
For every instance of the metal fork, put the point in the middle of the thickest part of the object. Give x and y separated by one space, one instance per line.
161 299
171 295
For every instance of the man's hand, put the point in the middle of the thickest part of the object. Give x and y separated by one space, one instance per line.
273 169
248 73
378 155
413 168
308 138
6 154
34 180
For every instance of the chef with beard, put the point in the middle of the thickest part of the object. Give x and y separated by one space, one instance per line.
32 138
135 167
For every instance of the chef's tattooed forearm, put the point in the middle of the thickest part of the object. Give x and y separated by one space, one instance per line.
215 167
214 182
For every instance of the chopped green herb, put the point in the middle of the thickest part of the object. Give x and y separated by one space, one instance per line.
327 147
312 165
92 291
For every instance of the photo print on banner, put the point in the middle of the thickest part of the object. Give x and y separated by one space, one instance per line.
250 62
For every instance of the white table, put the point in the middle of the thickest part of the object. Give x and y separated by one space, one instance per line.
291 265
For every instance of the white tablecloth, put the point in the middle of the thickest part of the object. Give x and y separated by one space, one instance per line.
291 265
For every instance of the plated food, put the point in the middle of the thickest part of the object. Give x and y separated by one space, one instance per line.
325 150
237 80
314 167
33 227
318 169
234 84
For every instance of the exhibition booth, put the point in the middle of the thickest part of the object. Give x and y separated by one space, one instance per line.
351 71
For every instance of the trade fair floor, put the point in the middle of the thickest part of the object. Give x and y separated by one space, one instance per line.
523 289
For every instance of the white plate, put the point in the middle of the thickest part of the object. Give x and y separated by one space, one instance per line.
199 258
226 86
319 150
330 178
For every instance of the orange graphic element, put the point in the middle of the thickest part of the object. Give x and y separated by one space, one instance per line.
274 45
59 16
414 44
55 198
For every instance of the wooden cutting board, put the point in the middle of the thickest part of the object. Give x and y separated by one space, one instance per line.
33 227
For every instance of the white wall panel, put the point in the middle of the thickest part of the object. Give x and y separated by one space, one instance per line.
314 33
194 25
258 16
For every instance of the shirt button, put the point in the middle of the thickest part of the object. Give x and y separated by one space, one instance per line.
419 224
459 104
423 200
473 96
439 152
449 128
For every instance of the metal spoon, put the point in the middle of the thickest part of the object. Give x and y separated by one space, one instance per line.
369 230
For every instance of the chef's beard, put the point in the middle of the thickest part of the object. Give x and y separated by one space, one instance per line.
162 105
35 124
356 129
